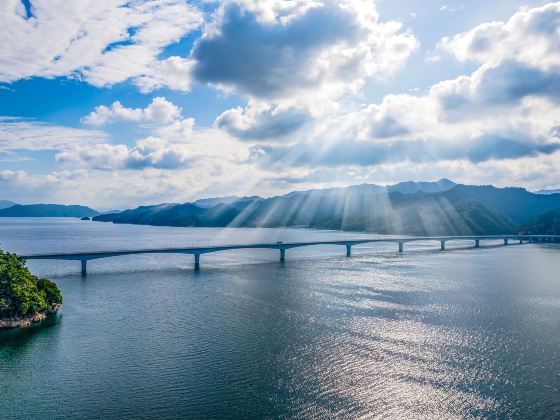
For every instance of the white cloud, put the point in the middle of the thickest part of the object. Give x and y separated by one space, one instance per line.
27 134
302 126
177 131
531 36
173 73
262 121
150 152
159 111
172 145
102 42
22 179
279 49
449 8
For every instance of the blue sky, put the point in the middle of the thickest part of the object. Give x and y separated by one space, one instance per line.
116 103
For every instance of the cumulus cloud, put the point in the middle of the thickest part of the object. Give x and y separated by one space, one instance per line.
18 177
370 153
519 59
167 148
275 50
173 143
159 111
493 85
300 63
173 73
102 42
22 179
179 130
507 109
151 152
260 121
530 36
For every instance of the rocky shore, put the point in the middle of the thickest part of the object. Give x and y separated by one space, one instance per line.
27 320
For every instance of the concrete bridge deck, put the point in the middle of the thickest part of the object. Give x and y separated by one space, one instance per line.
84 257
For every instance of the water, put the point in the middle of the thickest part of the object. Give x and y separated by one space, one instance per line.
462 333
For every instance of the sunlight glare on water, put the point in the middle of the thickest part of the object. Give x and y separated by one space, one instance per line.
462 333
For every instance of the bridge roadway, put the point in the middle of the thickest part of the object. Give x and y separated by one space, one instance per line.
84 257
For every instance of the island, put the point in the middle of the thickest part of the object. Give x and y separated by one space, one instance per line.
24 298
85 218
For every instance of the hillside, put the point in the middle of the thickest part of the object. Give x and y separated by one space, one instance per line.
518 204
545 224
461 210
4 204
47 210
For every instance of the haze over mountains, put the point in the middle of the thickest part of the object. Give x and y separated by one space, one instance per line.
46 210
411 208
4 204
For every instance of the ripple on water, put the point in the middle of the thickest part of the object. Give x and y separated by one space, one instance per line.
465 333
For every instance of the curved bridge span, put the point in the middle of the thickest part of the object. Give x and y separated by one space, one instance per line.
84 257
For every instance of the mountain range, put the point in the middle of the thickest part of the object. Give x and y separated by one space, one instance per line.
412 208
546 224
4 204
47 210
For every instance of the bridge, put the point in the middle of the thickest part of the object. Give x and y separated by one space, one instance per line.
84 257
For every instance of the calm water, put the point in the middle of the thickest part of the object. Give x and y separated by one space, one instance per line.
462 333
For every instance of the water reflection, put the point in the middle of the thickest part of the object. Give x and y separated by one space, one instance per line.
467 333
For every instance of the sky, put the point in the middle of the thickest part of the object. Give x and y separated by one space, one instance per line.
115 104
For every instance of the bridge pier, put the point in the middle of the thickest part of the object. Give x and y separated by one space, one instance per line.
506 241
348 250
401 246
442 247
520 241
477 243
197 262
282 255
84 267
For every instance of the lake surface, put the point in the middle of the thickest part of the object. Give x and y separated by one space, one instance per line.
461 333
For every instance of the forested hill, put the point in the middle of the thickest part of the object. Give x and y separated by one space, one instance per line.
47 210
458 210
545 224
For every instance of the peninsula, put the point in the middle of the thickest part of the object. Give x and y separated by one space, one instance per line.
24 298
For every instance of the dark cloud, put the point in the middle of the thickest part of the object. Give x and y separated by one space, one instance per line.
367 153
512 81
268 60
265 125
503 85
169 159
387 127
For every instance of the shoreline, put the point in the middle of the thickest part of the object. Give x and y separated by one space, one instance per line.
27 320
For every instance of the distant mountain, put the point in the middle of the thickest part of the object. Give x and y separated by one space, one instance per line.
405 208
411 187
518 204
408 187
47 210
547 192
109 211
211 202
545 224
4 204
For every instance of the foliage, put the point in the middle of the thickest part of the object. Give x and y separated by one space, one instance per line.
22 293
546 224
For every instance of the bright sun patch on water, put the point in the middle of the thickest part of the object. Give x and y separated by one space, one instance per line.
462 333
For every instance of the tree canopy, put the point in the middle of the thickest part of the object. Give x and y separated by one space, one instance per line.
22 293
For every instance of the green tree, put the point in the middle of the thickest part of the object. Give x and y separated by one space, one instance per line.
22 293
